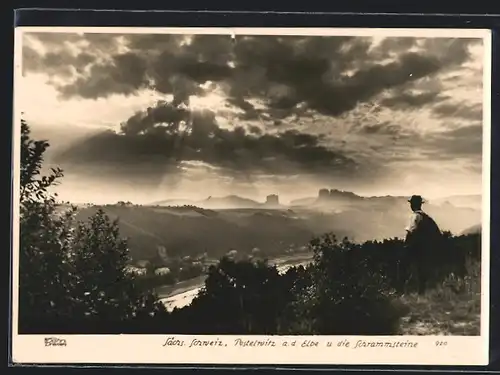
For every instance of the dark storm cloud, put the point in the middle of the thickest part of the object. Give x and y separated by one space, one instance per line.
463 142
154 42
59 60
163 117
128 160
31 60
249 110
156 136
311 68
365 84
450 51
124 75
396 45
61 63
472 131
460 110
287 71
384 128
410 101
281 71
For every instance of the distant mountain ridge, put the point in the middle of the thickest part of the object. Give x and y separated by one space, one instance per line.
325 198
342 196
230 201
472 201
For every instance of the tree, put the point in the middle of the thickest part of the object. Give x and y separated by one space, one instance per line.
106 293
44 271
239 297
71 274
351 296
297 317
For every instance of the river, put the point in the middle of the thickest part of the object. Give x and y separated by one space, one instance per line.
182 295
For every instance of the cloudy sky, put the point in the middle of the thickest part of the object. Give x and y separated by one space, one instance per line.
144 117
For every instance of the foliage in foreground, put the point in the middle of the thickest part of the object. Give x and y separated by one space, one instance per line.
72 279
348 289
71 275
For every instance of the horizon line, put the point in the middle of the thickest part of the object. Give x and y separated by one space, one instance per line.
263 201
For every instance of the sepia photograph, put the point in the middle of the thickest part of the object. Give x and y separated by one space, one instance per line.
252 184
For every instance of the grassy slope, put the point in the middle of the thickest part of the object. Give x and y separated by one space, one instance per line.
450 309
431 315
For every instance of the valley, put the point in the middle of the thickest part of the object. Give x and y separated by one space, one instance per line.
177 233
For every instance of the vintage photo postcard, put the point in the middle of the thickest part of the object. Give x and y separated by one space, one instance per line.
251 196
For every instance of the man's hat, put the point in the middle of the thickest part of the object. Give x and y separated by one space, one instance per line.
416 199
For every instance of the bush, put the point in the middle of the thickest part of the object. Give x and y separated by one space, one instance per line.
72 276
338 294
238 297
351 296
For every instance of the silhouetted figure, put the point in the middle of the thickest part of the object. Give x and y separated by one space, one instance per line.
422 240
